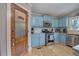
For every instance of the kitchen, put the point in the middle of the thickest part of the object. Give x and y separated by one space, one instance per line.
47 30
55 29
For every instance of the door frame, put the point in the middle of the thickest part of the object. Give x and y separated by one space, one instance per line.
9 27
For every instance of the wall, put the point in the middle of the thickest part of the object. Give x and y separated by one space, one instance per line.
3 28
27 7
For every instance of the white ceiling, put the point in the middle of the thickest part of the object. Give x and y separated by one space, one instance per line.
55 9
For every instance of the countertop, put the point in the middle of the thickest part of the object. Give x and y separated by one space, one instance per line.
73 34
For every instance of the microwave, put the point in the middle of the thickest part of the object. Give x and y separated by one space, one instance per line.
47 24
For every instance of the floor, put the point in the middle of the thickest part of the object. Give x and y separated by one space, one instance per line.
52 50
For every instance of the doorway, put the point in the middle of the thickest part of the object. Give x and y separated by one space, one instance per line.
19 30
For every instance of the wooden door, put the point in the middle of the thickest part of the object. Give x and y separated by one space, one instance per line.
19 30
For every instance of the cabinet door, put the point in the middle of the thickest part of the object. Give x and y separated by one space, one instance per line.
54 23
63 38
36 21
63 21
40 21
45 18
35 40
42 39
33 21
49 19
56 37
60 23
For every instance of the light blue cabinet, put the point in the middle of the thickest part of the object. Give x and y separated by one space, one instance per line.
60 23
33 21
42 39
36 21
37 40
56 37
63 21
47 18
54 23
50 19
62 38
39 21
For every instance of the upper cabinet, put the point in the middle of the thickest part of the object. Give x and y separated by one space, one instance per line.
33 21
40 21
62 22
47 18
36 21
54 23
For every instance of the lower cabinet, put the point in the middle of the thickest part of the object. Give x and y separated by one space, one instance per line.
37 40
62 38
42 39
56 37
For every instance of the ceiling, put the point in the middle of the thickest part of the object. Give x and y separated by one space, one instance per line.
55 9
